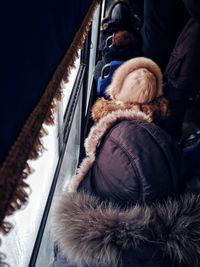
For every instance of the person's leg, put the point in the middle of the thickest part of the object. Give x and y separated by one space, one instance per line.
163 22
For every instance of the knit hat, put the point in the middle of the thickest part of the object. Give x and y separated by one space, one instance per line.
138 80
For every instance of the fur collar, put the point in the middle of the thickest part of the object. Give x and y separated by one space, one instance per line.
95 233
95 136
155 109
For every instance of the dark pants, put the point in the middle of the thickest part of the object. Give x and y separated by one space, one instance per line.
163 22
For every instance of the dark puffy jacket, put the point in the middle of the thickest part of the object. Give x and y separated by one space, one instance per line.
183 68
134 164
116 210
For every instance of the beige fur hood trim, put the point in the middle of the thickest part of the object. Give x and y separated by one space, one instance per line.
157 109
129 66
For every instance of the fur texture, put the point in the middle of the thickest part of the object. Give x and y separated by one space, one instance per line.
95 136
156 109
95 233
114 89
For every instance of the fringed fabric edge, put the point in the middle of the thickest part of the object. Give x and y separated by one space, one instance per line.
15 169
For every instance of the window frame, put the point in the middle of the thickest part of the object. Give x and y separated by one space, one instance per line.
81 81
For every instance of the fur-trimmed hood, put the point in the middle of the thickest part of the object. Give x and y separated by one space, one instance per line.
96 233
138 80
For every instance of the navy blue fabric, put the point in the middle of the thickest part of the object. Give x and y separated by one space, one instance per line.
34 37
103 83
146 256
191 153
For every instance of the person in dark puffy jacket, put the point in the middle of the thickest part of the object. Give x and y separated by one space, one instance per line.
171 37
123 207
182 72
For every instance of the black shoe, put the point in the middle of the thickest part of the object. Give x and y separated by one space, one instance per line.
192 140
